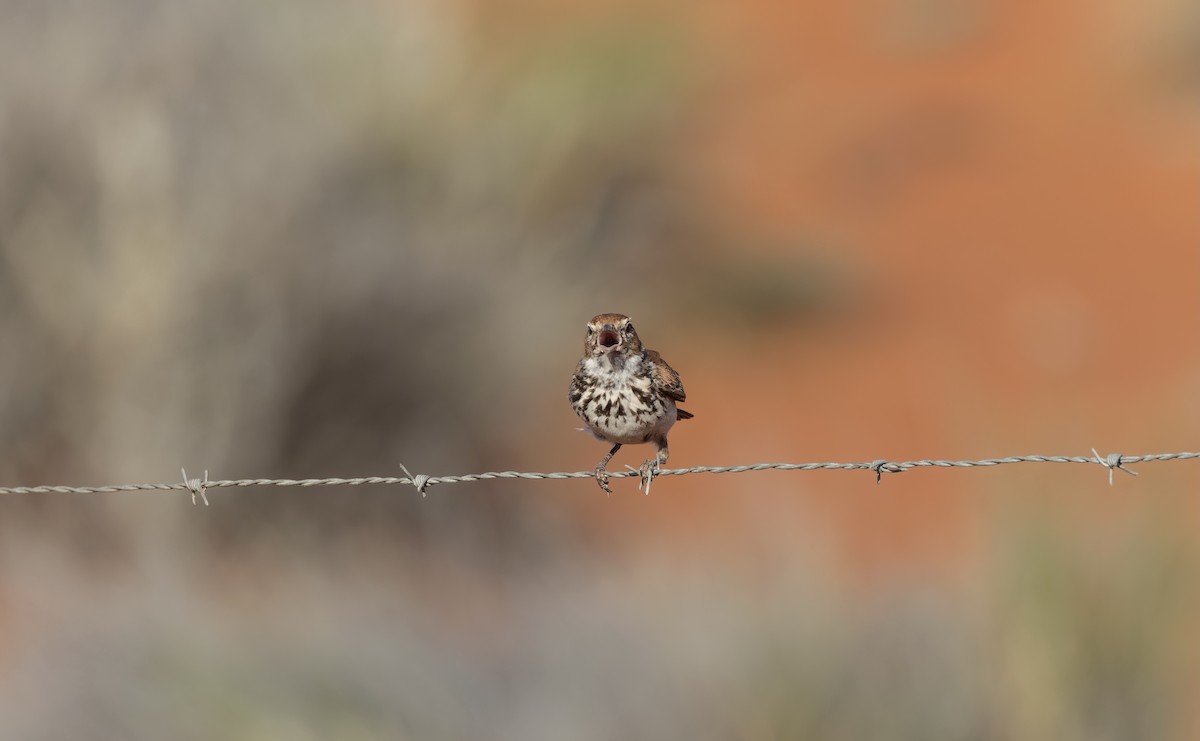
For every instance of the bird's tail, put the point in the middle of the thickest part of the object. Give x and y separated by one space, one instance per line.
682 414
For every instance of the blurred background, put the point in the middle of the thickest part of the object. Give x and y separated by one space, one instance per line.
320 239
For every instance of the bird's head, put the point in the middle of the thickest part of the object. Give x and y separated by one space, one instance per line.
611 334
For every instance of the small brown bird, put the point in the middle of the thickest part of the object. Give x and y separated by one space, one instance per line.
625 394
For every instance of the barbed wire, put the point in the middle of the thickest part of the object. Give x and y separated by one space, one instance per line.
421 482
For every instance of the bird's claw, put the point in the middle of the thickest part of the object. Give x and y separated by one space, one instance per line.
602 479
647 473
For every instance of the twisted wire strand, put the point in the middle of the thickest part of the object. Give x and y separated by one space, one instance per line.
198 486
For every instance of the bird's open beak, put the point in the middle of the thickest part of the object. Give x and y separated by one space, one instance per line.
609 338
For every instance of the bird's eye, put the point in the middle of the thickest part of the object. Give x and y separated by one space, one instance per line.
628 329
591 330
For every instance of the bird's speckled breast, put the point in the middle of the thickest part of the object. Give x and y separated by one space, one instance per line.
620 404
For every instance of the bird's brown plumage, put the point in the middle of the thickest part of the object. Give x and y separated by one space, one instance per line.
625 393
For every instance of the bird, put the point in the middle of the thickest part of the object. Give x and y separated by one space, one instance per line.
625 394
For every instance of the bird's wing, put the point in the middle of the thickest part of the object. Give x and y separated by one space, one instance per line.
575 390
664 378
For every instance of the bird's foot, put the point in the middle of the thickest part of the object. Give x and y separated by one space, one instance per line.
602 479
647 473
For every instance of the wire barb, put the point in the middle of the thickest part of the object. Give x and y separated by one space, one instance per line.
1112 462
196 486
419 482
881 466
645 475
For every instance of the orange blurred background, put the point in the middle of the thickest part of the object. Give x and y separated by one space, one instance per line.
320 240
